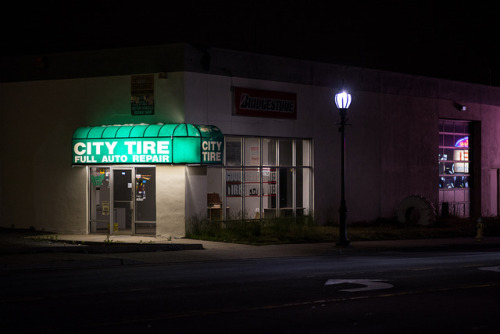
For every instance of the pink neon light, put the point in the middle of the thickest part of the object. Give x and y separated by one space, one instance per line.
464 142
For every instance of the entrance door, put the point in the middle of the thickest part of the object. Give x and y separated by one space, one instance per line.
100 200
123 200
111 200
145 200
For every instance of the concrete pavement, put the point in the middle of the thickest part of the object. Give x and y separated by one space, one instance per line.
12 243
62 251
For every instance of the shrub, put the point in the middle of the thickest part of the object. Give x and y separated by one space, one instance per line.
255 231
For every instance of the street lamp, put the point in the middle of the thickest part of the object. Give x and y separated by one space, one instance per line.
342 100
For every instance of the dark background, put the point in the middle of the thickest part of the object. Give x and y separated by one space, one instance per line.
452 40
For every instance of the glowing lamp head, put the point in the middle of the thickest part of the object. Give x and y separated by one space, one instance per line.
343 100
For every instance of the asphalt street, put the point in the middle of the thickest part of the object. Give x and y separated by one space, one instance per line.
318 290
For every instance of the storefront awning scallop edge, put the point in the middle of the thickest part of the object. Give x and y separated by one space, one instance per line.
148 144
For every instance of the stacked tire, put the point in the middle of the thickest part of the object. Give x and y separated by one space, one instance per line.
417 210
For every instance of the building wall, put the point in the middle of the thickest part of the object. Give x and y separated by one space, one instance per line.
391 139
39 188
196 193
408 140
170 200
387 156
490 160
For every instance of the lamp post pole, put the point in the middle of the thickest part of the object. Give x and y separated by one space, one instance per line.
342 100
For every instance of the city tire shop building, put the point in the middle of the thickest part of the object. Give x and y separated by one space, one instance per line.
144 140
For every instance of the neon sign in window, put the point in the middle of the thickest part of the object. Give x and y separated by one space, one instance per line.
464 142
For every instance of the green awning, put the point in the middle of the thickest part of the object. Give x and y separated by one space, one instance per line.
148 144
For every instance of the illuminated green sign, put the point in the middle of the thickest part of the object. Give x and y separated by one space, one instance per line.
148 144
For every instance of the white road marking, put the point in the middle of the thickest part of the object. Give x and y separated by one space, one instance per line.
370 284
490 268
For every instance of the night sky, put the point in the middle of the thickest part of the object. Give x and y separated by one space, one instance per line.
452 40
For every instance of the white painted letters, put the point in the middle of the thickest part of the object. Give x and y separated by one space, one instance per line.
111 146
369 284
78 148
138 150
162 147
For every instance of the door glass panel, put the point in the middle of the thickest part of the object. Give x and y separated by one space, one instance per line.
99 200
122 200
145 200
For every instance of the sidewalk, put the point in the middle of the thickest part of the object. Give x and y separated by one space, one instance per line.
17 243
18 252
24 242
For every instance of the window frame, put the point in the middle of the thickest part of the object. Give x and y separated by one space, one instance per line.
268 189
454 197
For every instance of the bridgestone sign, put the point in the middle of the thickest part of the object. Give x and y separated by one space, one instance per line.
264 103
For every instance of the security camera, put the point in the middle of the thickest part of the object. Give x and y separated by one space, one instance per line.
460 107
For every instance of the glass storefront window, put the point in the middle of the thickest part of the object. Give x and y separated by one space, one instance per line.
454 162
215 205
303 191
299 154
285 152
252 182
269 192
273 177
252 152
286 191
233 151
252 193
234 193
303 152
269 152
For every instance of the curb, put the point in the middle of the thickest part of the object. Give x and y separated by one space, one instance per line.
422 248
102 248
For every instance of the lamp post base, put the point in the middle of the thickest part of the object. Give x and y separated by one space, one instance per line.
343 243
343 240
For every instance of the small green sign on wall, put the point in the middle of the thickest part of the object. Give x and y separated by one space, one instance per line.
142 94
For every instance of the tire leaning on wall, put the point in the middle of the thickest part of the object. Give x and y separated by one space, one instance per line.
416 209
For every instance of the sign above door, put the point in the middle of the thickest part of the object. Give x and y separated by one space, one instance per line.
148 144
